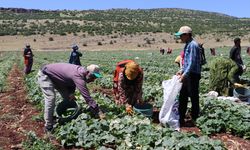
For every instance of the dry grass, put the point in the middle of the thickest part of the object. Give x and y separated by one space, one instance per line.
128 42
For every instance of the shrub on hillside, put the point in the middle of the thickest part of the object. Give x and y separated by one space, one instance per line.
51 39
164 41
99 43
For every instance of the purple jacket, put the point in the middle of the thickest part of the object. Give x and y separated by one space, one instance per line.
67 77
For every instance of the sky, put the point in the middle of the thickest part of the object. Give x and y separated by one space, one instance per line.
236 8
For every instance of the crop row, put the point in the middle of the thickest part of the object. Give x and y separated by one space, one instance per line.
121 131
7 62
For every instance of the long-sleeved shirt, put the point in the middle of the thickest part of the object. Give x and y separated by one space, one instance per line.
75 57
192 63
27 54
129 91
235 55
69 76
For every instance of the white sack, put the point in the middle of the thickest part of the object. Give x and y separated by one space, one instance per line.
169 111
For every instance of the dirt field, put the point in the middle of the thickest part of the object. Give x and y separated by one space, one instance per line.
129 42
16 113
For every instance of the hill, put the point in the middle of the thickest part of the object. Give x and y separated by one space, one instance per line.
108 27
125 21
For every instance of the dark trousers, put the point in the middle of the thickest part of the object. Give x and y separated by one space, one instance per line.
28 67
238 74
190 88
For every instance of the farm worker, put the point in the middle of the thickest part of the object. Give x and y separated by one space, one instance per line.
203 56
235 55
221 78
127 84
248 50
162 51
189 74
28 59
212 51
180 59
75 56
65 78
169 51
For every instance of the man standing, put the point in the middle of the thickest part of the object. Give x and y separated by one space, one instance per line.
28 59
65 78
190 74
75 56
235 55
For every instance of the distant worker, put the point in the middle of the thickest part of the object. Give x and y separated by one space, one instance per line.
202 52
169 51
180 59
235 55
75 56
221 79
127 86
212 51
28 59
248 50
162 51
65 78
189 74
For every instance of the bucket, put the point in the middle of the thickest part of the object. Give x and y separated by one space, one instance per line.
242 93
145 109
67 110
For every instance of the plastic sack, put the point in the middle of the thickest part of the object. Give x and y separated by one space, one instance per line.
169 113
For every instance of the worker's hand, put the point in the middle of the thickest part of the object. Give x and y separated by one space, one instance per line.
179 73
72 97
181 78
140 101
129 109
101 115
244 68
238 85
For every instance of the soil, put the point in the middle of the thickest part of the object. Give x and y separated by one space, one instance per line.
16 113
106 92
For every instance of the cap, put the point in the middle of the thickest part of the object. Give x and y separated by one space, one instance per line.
75 47
27 45
236 39
132 70
183 29
94 69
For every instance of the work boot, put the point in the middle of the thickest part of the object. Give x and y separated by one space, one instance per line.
48 129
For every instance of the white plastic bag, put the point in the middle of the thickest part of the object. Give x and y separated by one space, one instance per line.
169 111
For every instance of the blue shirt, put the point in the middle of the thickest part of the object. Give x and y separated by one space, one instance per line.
192 60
